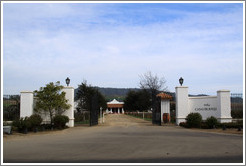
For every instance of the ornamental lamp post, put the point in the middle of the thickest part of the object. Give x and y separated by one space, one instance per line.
181 80
67 81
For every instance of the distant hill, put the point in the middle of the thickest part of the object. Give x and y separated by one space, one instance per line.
120 93
114 93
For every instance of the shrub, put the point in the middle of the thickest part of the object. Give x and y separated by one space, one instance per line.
211 122
204 125
60 121
183 124
237 114
35 121
45 127
194 120
22 124
231 124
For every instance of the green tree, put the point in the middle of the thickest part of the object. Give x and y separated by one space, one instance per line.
130 101
52 100
11 108
137 100
84 97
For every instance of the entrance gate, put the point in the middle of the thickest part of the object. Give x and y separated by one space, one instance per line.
94 111
156 112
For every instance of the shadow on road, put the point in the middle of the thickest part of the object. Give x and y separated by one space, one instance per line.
224 159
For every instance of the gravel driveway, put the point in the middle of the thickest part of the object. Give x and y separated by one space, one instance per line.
123 139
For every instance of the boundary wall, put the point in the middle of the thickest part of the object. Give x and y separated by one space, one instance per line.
27 105
218 106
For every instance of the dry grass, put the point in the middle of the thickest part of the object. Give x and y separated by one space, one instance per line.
227 131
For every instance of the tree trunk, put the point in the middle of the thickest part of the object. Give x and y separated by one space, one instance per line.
51 117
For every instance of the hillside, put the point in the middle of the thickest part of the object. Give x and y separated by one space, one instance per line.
114 93
120 93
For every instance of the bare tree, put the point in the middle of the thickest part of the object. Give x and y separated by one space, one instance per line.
152 83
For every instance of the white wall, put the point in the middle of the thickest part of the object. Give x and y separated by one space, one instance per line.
218 106
206 106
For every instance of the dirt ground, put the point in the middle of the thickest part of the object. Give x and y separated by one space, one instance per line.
119 120
124 139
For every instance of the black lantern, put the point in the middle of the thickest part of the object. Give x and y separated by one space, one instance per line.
67 81
181 80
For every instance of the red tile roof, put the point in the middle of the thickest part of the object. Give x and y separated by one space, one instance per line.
164 96
115 105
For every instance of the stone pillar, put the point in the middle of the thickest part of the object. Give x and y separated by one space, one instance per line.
123 110
70 112
26 104
224 106
181 103
118 110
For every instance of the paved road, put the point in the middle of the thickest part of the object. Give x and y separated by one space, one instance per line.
124 139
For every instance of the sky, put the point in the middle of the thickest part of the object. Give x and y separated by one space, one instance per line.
112 44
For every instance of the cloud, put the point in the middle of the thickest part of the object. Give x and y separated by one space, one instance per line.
105 45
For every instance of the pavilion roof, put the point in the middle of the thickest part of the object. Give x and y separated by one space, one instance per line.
115 104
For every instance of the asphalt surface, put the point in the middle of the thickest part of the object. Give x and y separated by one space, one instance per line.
123 139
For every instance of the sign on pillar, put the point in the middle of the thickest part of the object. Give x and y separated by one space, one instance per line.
70 112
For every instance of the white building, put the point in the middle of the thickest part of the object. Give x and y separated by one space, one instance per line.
115 106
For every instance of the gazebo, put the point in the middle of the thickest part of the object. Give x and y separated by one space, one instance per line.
115 106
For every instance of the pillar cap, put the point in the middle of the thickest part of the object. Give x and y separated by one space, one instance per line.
223 90
181 87
68 87
26 92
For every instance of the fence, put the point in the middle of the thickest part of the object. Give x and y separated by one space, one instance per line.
11 107
82 117
145 115
237 105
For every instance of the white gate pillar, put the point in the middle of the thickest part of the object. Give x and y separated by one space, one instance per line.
181 104
26 104
70 112
224 106
165 108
